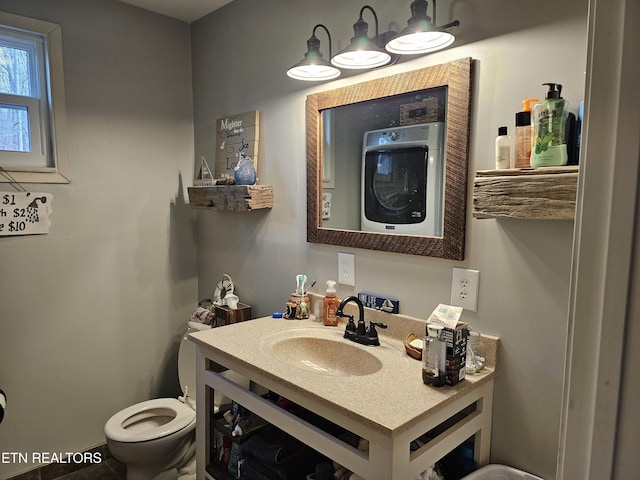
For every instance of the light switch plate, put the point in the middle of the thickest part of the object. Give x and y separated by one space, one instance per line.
326 206
464 288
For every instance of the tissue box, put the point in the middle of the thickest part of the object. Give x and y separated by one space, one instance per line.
226 315
456 340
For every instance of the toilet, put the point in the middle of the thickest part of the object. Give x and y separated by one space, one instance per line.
156 439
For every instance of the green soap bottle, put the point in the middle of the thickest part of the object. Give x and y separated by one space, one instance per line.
549 118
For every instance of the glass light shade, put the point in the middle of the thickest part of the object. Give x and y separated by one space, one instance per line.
362 52
313 72
353 58
420 35
420 42
314 68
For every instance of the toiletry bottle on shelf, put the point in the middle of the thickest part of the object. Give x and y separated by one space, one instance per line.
434 354
570 132
579 131
503 149
549 117
331 304
524 134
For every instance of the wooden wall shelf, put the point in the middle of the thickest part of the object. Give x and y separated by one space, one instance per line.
232 198
536 194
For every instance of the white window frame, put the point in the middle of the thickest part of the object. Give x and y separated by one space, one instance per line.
51 139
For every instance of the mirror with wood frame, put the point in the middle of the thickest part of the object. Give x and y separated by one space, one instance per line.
386 110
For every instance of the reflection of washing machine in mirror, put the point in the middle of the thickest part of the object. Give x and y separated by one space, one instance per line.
403 180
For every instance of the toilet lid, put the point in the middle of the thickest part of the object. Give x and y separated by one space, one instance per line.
148 420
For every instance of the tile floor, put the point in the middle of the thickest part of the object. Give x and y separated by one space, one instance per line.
108 469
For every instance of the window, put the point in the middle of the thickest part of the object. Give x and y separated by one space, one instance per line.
32 103
23 101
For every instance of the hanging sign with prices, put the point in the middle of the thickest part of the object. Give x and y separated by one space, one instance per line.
25 213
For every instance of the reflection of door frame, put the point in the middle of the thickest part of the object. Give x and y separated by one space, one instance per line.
597 433
328 151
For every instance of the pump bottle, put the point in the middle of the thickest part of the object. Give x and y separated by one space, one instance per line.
549 118
331 304
524 134
503 149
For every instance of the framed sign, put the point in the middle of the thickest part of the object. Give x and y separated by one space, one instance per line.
237 135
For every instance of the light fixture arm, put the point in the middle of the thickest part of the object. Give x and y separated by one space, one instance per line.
313 37
453 24
447 26
361 23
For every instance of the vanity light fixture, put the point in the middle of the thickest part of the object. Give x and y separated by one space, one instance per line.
420 35
362 52
313 67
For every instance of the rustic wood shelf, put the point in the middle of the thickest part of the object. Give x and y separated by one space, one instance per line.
232 198
536 194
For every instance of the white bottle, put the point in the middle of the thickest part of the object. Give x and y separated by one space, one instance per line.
503 149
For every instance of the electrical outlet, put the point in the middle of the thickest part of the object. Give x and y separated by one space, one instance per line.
347 269
464 288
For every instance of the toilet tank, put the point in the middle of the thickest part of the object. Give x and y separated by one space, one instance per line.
187 368
187 359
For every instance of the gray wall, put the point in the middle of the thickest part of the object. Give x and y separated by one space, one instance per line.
91 316
91 313
240 55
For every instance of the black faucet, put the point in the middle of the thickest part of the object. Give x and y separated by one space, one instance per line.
359 333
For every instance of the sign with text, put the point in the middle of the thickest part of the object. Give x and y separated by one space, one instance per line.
25 213
237 135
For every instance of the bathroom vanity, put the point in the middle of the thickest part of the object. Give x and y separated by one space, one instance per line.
376 393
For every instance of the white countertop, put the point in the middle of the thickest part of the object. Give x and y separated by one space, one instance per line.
389 400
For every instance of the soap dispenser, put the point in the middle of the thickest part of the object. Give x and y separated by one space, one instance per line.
549 118
331 304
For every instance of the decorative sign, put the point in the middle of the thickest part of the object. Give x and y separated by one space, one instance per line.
237 135
25 213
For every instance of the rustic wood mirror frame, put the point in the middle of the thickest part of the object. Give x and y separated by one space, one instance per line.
457 77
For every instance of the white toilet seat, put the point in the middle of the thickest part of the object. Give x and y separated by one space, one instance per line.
121 426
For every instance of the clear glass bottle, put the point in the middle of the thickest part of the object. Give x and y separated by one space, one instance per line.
476 353
434 354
